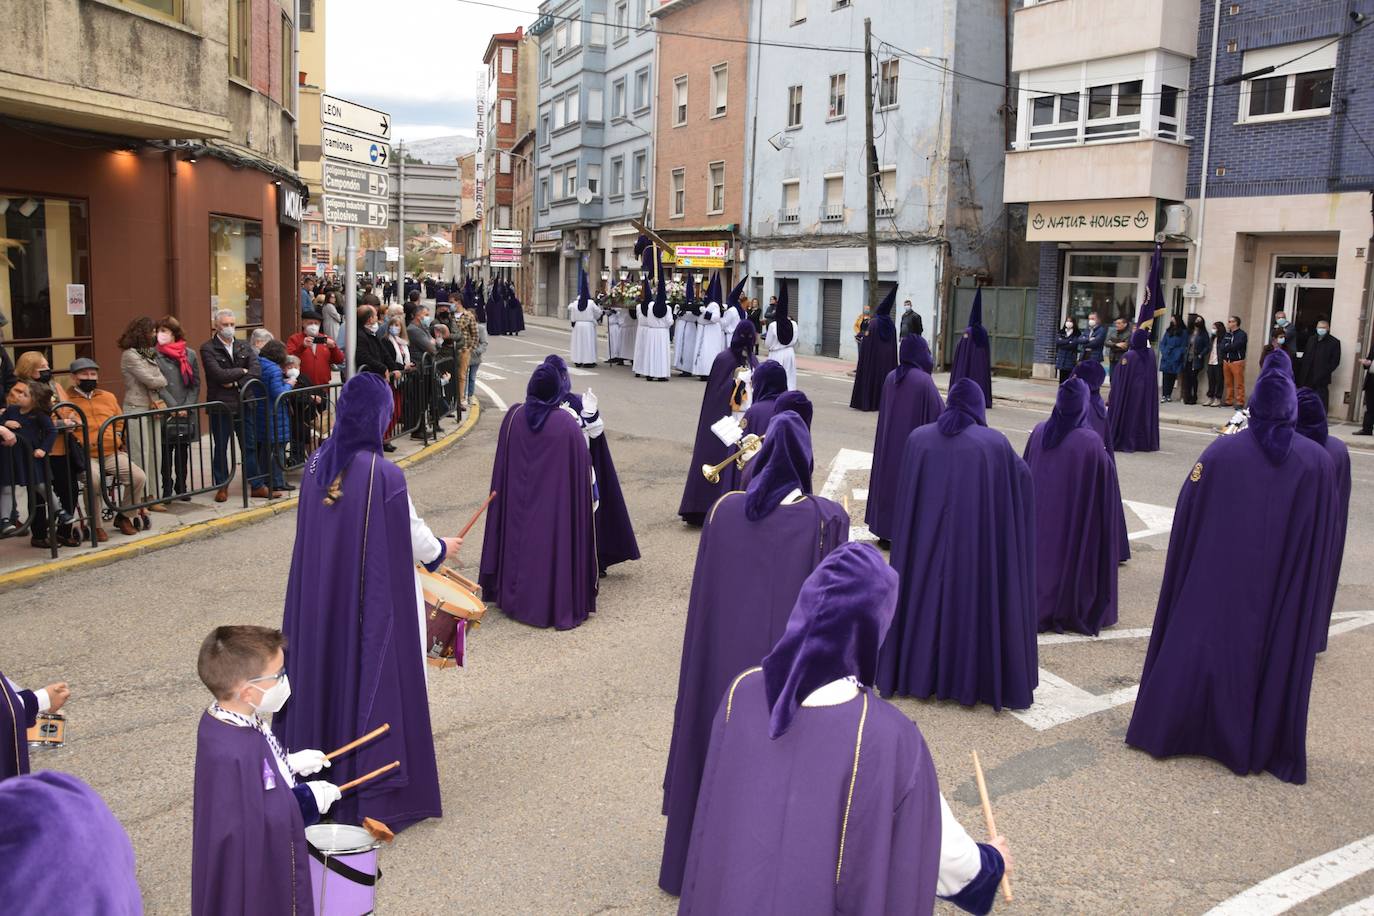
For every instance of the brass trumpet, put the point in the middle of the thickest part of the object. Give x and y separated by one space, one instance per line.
749 447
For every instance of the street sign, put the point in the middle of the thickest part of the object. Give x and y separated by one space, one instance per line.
353 211
354 181
351 116
335 144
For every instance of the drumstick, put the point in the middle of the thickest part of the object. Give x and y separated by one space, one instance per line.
987 816
380 771
476 515
357 742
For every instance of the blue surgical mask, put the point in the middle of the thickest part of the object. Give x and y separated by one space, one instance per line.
394 331
427 321
1281 322
1281 340
1321 332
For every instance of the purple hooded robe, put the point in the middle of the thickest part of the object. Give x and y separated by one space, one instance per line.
964 544
790 401
539 561
248 849
910 399
768 383
1093 375
352 621
64 851
1077 503
18 713
733 620
877 357
1133 403
615 535
1243 603
700 494
1312 424
791 819
973 353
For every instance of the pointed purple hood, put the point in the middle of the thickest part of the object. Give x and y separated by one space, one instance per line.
964 406
782 465
1070 412
361 416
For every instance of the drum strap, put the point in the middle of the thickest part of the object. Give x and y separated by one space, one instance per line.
344 870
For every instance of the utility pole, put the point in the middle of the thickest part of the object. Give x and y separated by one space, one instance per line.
351 302
871 169
401 220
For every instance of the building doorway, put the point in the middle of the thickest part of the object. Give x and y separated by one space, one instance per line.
830 317
1304 288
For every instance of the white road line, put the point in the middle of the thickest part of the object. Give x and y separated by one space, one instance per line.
486 376
572 370
860 533
1363 907
845 461
495 398
1063 639
1302 882
860 493
1157 519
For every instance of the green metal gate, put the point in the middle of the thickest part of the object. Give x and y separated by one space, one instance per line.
1008 315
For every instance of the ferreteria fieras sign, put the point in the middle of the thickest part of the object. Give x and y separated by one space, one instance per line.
1127 219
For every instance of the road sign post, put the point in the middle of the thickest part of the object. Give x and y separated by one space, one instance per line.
355 118
355 181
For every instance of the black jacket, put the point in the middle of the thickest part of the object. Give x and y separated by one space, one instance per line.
1233 346
1094 342
371 356
225 374
911 323
1320 360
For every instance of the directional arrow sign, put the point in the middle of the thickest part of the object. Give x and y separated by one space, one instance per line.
351 116
335 144
352 211
354 181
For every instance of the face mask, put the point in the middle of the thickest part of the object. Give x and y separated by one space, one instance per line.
227 333
371 328
1067 326
427 321
293 373
311 330
87 384
164 338
1092 322
274 698
1282 322
1280 340
45 376
394 331
1321 332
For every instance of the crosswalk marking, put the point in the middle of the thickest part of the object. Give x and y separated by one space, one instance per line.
1302 882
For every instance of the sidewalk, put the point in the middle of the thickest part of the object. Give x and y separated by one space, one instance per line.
21 564
1039 393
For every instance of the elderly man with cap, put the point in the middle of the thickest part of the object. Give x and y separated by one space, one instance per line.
107 454
791 819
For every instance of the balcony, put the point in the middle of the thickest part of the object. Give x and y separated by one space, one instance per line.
1097 171
832 213
884 210
1050 33
788 215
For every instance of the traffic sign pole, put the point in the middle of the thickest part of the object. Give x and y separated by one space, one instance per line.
351 330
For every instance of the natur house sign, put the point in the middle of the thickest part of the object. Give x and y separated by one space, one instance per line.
1129 219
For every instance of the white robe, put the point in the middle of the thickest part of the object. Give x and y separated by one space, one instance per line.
685 342
729 320
783 354
424 548
710 339
583 332
656 358
640 337
629 335
616 322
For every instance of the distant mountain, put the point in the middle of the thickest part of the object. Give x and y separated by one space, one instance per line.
441 150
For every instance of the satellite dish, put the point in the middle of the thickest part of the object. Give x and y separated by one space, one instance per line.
585 196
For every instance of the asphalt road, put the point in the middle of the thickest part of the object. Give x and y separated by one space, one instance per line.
551 745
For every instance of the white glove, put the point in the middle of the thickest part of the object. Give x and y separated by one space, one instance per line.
589 404
326 794
307 763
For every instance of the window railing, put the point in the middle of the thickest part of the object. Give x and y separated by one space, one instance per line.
789 215
832 213
884 210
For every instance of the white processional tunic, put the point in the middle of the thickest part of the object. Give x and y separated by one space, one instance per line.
615 333
583 331
710 339
655 347
684 342
782 353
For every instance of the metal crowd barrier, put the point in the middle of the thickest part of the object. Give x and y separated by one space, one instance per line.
20 470
310 415
69 469
172 449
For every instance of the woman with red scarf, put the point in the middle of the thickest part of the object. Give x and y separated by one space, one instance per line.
182 371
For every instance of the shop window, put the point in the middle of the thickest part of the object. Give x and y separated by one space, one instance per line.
1108 284
236 268
54 235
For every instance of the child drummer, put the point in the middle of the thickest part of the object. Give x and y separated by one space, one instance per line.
19 711
249 851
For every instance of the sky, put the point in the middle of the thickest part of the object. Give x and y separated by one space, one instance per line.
416 59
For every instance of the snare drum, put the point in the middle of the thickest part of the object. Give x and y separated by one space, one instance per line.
453 604
50 731
343 869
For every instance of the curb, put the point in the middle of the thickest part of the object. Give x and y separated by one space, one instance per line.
196 531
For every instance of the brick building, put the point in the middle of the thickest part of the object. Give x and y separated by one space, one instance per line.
503 69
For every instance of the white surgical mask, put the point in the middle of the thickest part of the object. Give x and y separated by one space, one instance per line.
293 373
1067 326
1092 322
164 337
273 698
312 329
227 332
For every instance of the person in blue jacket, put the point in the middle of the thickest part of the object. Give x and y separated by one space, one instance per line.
274 427
1094 338
1171 347
1066 348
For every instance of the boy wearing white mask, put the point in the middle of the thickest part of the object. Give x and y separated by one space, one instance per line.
250 813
